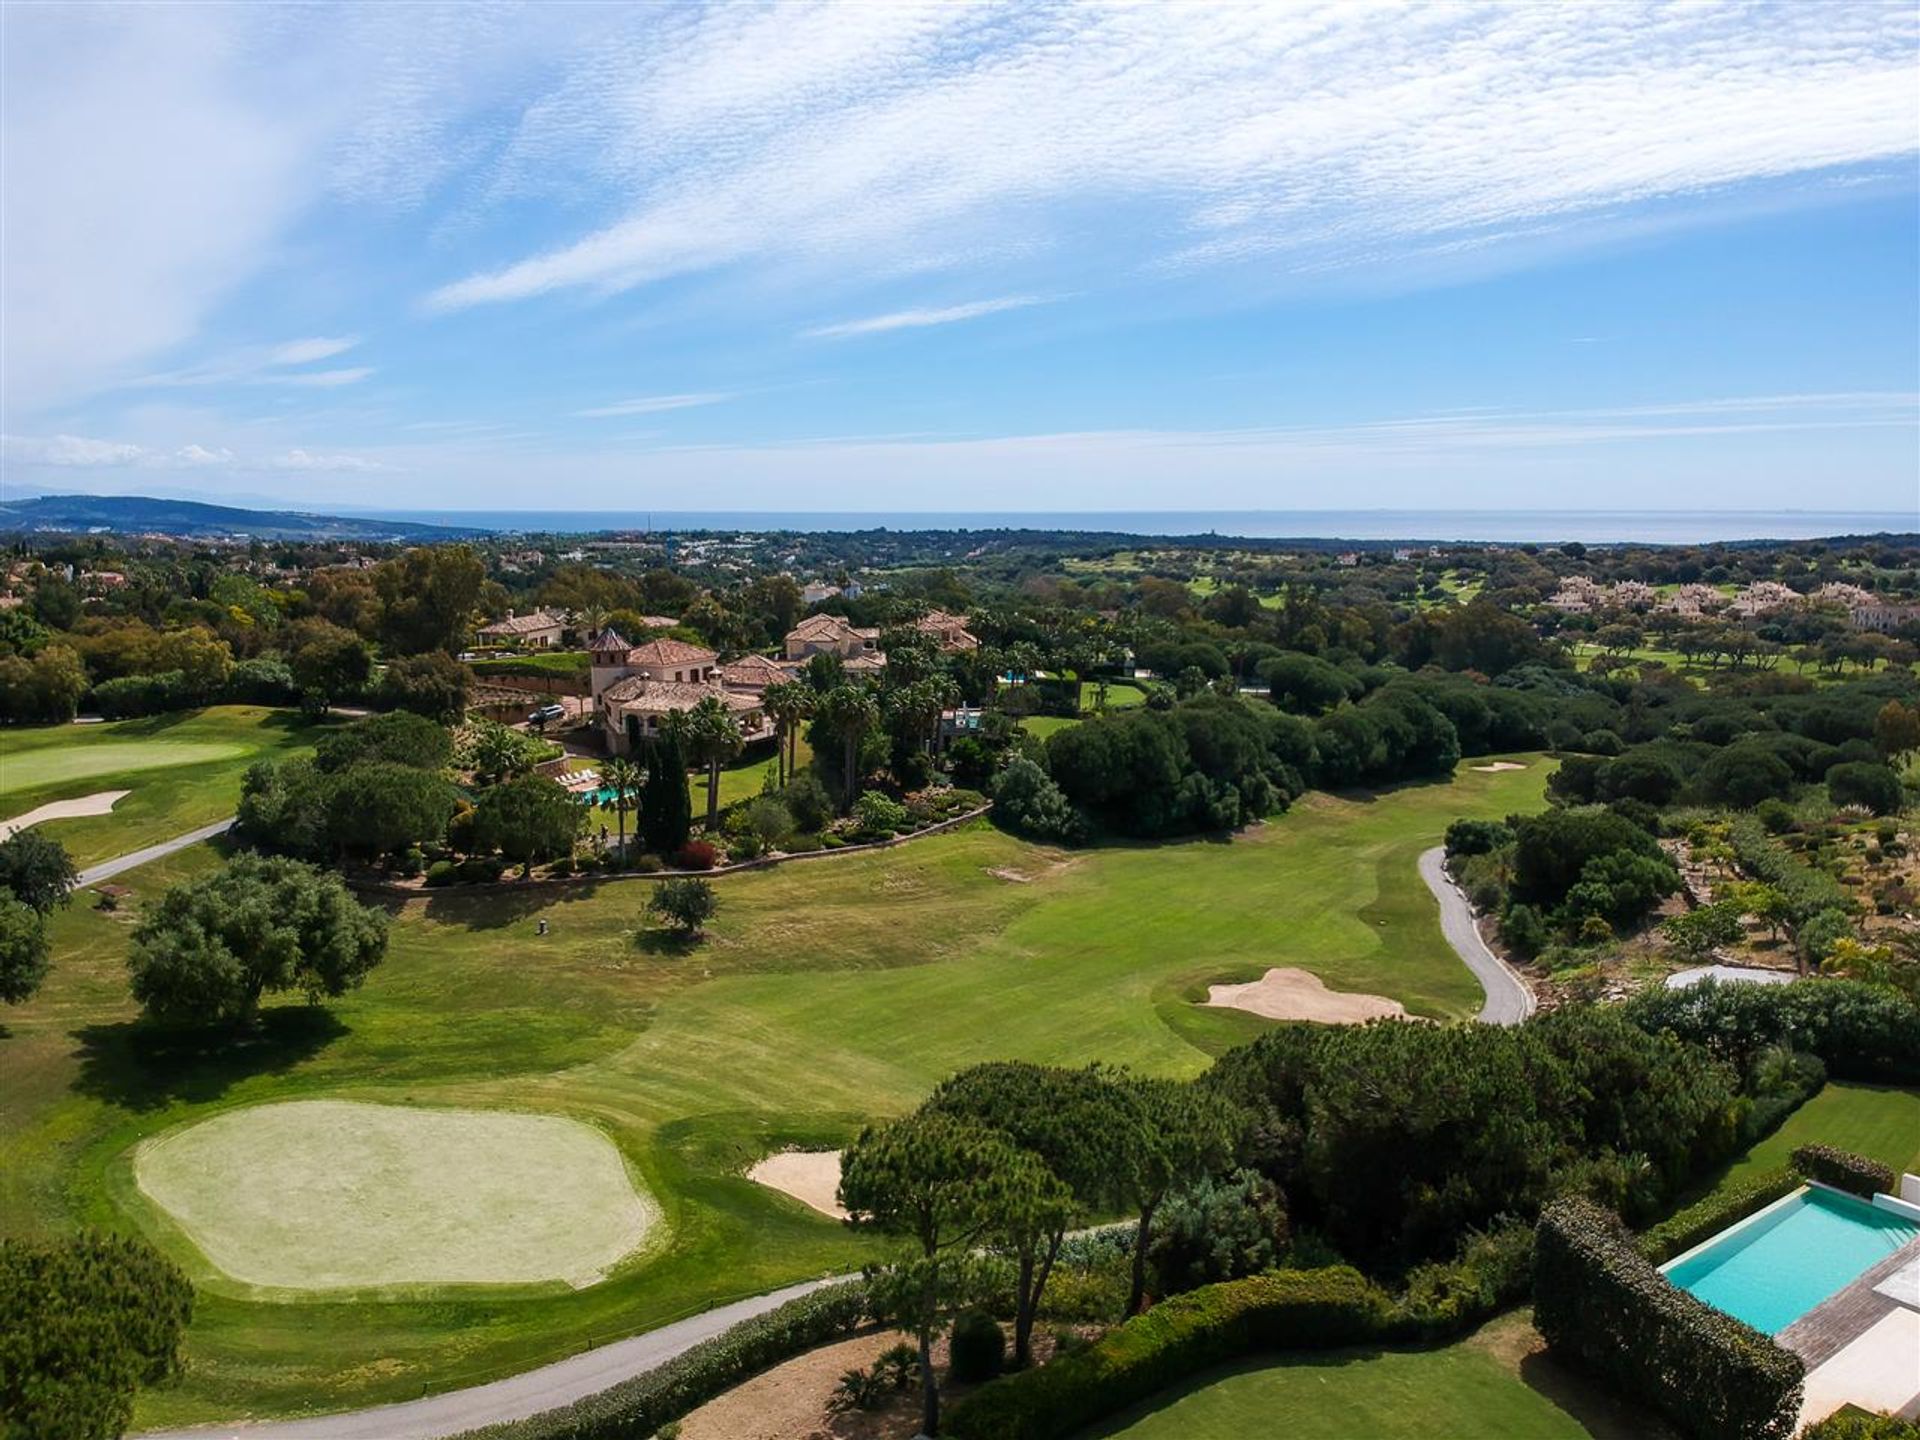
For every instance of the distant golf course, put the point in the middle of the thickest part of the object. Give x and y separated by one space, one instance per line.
830 992
181 771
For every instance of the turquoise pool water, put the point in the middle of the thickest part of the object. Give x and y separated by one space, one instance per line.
1773 1271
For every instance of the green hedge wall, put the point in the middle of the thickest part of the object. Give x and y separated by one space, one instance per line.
1284 1310
1598 1300
1844 1170
637 1408
1853 1424
1706 1218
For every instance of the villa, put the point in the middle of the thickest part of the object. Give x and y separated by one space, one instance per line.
635 688
858 647
536 630
949 632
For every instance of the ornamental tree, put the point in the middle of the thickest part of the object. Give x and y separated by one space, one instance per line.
37 870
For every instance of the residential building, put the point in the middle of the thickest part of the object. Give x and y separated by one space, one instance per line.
537 630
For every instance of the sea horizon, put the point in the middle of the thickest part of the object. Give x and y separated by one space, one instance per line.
1426 526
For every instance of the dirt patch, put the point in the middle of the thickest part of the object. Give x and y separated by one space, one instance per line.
1007 873
789 1402
810 1176
1497 767
101 802
1290 994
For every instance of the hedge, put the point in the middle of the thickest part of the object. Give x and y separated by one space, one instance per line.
1855 1424
1282 1310
636 1408
1704 1219
1844 1170
1598 1300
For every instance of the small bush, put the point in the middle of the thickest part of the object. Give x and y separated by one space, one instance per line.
977 1349
1854 1424
801 844
687 904
441 872
874 812
412 860
648 864
1219 1230
1494 1270
1476 837
1844 1170
696 855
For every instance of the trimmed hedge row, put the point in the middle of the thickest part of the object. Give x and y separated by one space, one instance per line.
1844 1170
1597 1299
1852 1424
1283 1310
636 1408
1704 1219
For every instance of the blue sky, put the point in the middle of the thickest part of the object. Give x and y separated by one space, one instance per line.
958 257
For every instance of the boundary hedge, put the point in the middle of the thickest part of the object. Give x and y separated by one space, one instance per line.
1704 1219
1598 1300
636 1408
1845 1170
1283 1310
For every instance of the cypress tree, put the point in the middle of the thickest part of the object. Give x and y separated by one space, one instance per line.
666 808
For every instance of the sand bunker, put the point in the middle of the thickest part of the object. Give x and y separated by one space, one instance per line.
810 1176
1497 766
1289 994
101 802
332 1194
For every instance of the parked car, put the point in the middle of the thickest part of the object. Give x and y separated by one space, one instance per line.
547 713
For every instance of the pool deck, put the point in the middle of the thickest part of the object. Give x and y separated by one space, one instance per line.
1861 1346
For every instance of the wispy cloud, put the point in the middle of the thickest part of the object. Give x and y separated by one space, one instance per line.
79 452
267 365
651 405
915 319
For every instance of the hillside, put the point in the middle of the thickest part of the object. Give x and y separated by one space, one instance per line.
190 519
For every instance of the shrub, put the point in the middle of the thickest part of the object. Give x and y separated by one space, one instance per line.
1026 801
1493 1270
1853 1424
648 864
687 905
1704 1219
1476 837
441 872
807 801
877 814
696 855
1844 1170
1872 787
645 1404
977 1349
1289 1309
1599 1301
1219 1230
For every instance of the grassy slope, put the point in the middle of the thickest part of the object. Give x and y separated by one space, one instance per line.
184 771
831 992
1878 1121
1494 1385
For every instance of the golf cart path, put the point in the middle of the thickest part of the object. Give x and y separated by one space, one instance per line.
107 869
513 1398
1509 1001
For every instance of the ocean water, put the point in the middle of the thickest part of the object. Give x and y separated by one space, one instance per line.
1662 527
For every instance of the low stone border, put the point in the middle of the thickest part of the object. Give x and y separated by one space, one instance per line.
421 892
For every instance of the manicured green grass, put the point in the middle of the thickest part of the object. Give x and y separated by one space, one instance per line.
1585 653
1121 695
830 993
745 778
1478 1387
184 771
1045 725
1878 1121
552 662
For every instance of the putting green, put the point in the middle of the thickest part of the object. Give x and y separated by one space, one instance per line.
58 766
333 1194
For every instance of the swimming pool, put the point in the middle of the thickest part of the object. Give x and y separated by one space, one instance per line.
1775 1266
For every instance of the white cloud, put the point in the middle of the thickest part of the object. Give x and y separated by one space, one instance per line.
306 460
1323 133
651 405
915 319
305 352
265 365
80 452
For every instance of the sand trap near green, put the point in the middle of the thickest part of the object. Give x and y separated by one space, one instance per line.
335 1194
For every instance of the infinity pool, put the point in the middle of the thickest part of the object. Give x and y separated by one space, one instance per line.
1775 1267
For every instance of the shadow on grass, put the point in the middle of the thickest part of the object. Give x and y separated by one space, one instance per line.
1602 1415
497 908
668 944
144 1066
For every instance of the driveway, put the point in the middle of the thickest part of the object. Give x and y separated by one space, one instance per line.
1509 1001
107 869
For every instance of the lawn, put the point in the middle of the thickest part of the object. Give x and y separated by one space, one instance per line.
183 771
1494 1385
1878 1121
1585 653
745 778
830 992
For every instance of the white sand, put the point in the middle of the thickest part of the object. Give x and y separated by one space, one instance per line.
810 1176
100 802
1497 766
1290 994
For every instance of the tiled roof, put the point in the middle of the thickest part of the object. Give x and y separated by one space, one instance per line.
755 670
608 639
669 652
821 627
644 694
523 624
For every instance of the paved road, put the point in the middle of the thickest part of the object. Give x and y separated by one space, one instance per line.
1509 1001
514 1398
107 869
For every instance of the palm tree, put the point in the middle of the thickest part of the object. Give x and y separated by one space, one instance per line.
787 703
623 777
850 712
713 738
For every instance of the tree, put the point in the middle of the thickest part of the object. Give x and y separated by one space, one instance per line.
1024 799
399 737
945 1185
208 949
787 703
381 808
1698 932
622 776
686 904
712 737
849 712
531 818
37 869
427 598
1169 1134
89 1319
1306 684
23 949
666 809
1896 729
429 684
327 661
1872 787
1218 1230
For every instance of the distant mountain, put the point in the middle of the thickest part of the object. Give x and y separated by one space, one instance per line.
192 520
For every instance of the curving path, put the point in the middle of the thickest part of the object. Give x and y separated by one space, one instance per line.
1509 1001
513 1398
107 869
